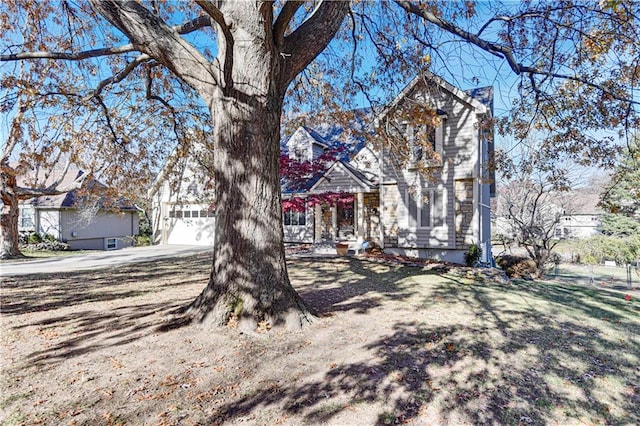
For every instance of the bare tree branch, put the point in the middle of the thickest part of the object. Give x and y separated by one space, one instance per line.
69 56
213 11
193 25
284 19
226 44
119 76
185 28
151 35
14 134
502 51
312 36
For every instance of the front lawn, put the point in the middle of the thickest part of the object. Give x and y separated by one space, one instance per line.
392 344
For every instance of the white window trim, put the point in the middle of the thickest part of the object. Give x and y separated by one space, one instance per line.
430 193
107 243
438 149
26 211
306 218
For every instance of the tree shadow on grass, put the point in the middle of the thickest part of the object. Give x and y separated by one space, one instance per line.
44 292
523 353
506 353
81 332
95 330
130 316
323 284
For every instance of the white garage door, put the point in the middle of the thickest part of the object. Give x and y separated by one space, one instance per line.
190 225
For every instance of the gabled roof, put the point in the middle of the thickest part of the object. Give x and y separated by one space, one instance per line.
74 197
484 95
66 199
429 77
335 133
355 177
315 136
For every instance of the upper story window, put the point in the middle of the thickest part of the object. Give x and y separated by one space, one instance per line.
422 143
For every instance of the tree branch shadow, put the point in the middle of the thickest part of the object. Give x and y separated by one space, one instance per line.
512 361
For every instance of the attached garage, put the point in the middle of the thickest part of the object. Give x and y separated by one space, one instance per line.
189 224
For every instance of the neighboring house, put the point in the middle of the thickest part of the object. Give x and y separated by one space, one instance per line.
584 219
99 224
566 215
182 201
432 206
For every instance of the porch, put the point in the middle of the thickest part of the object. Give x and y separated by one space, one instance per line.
353 218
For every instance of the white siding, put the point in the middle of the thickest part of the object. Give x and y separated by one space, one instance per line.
301 233
186 191
338 179
194 229
368 162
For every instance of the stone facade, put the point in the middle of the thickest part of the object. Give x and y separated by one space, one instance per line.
464 212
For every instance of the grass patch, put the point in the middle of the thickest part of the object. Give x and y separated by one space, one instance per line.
393 344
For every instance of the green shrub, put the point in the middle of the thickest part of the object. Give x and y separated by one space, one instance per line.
597 249
142 240
50 238
34 238
473 255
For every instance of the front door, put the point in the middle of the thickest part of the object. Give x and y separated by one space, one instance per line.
327 222
346 220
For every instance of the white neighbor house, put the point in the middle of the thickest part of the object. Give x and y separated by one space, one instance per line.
182 203
394 207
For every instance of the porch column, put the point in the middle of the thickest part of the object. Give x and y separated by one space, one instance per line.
317 222
360 216
334 221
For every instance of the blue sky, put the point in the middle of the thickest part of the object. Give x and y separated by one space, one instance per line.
461 64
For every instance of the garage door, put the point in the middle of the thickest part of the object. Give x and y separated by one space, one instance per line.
190 225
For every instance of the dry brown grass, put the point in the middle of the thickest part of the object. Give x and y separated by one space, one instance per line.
393 344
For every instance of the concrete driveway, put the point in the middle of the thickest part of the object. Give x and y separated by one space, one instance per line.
98 260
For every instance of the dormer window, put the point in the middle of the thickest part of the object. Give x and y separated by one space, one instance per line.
299 153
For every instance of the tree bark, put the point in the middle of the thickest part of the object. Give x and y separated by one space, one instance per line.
9 237
249 281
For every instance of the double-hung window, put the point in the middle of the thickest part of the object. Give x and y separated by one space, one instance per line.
27 216
424 142
111 244
424 208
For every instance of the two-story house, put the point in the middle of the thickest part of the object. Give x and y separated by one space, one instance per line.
418 184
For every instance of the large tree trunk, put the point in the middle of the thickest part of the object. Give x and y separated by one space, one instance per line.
249 280
244 88
9 237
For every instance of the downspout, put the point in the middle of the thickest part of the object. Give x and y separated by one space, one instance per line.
482 206
381 192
